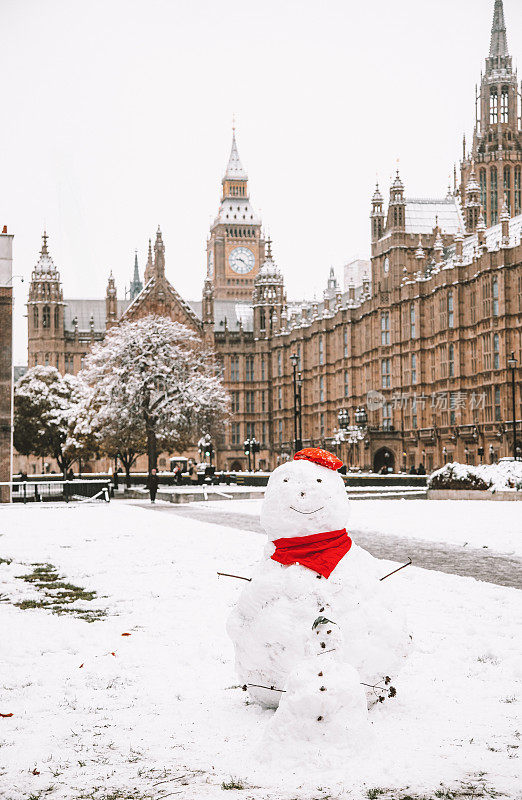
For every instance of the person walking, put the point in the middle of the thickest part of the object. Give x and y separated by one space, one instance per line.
152 484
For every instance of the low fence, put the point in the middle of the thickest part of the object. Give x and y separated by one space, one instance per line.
229 478
60 491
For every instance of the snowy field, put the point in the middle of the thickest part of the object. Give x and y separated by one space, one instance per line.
471 523
139 703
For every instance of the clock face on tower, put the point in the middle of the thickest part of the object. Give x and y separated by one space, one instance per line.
241 260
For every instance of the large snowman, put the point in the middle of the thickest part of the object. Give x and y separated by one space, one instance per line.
314 624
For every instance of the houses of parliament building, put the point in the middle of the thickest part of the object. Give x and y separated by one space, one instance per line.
420 347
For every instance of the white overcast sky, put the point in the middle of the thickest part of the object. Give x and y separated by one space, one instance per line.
116 117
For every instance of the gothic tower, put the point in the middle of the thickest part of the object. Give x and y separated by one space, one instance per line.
45 308
235 248
268 298
496 154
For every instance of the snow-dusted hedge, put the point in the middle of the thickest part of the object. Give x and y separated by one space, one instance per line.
492 477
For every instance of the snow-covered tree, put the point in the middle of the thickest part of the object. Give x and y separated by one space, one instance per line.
115 430
45 408
154 380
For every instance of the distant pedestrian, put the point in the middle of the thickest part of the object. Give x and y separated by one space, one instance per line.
421 470
152 484
413 471
70 475
193 474
115 479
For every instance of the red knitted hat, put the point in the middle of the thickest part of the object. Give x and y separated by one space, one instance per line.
318 456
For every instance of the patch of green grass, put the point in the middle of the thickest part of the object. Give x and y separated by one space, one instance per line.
232 784
6 560
57 594
371 794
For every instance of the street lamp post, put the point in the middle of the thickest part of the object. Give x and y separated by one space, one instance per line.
252 447
298 433
512 364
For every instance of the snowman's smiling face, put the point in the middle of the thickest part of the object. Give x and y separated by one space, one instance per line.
304 498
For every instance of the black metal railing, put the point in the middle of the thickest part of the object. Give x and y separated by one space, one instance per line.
60 491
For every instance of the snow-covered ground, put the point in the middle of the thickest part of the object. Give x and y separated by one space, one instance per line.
98 714
473 523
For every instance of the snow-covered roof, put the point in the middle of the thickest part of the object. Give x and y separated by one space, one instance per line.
237 210
493 240
84 309
232 311
423 214
235 169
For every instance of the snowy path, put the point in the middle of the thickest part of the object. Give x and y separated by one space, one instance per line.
482 564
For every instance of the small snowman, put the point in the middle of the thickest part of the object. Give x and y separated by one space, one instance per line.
315 598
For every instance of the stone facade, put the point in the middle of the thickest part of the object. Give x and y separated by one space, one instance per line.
420 345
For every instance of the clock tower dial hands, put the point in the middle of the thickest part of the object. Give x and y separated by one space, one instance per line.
241 260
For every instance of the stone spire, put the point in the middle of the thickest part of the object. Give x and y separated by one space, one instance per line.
235 169
438 246
135 285
498 46
159 255
111 303
45 262
149 265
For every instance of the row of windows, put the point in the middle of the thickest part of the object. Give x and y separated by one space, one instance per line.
46 359
447 405
251 432
490 307
489 400
46 317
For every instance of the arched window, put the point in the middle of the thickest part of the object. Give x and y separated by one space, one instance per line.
35 316
451 361
504 105
412 321
518 196
483 193
494 195
46 317
493 107
496 351
494 286
321 350
262 319
56 318
507 187
450 310
413 368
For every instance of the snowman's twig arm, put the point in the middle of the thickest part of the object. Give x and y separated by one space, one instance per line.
228 575
396 570
258 686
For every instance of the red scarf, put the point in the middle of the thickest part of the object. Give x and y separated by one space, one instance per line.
320 552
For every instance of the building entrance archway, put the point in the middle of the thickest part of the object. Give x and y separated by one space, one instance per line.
384 457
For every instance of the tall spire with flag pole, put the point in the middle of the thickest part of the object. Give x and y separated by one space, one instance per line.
498 46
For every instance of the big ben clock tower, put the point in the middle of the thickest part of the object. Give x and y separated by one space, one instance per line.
235 249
